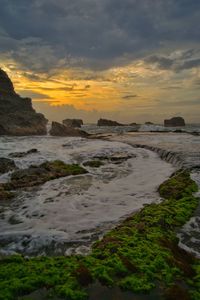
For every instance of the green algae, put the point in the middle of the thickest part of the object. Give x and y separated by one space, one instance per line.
36 175
139 255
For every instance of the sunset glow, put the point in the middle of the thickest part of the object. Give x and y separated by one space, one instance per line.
129 74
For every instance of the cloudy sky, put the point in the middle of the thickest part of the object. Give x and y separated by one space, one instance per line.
128 60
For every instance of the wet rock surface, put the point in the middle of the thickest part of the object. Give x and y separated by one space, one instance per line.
23 154
6 165
17 116
116 158
5 195
36 175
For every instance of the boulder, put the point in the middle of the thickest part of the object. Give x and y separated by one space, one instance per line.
73 122
58 129
6 165
174 122
17 116
104 122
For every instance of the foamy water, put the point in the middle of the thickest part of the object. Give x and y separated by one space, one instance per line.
66 215
183 151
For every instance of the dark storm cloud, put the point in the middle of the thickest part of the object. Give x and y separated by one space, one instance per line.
160 61
46 34
176 61
190 64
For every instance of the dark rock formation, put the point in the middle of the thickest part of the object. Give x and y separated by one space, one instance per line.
73 122
6 165
133 124
149 123
23 154
93 163
58 129
104 122
17 116
174 122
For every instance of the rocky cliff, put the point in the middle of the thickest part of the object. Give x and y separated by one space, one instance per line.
17 116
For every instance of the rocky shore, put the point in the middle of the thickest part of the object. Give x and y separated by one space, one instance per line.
37 175
140 255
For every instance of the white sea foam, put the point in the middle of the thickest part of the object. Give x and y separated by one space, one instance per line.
69 213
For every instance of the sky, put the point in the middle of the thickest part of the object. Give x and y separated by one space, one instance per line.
125 60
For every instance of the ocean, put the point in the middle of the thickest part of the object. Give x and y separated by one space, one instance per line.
66 215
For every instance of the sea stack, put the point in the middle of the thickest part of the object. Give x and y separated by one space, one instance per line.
105 122
174 122
17 116
73 122
58 129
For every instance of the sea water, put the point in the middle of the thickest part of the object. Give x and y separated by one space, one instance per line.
67 215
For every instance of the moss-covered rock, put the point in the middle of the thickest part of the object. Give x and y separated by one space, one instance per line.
35 175
178 186
139 255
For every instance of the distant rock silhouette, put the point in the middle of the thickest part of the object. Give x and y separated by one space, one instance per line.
17 116
73 122
174 122
104 122
149 123
58 129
